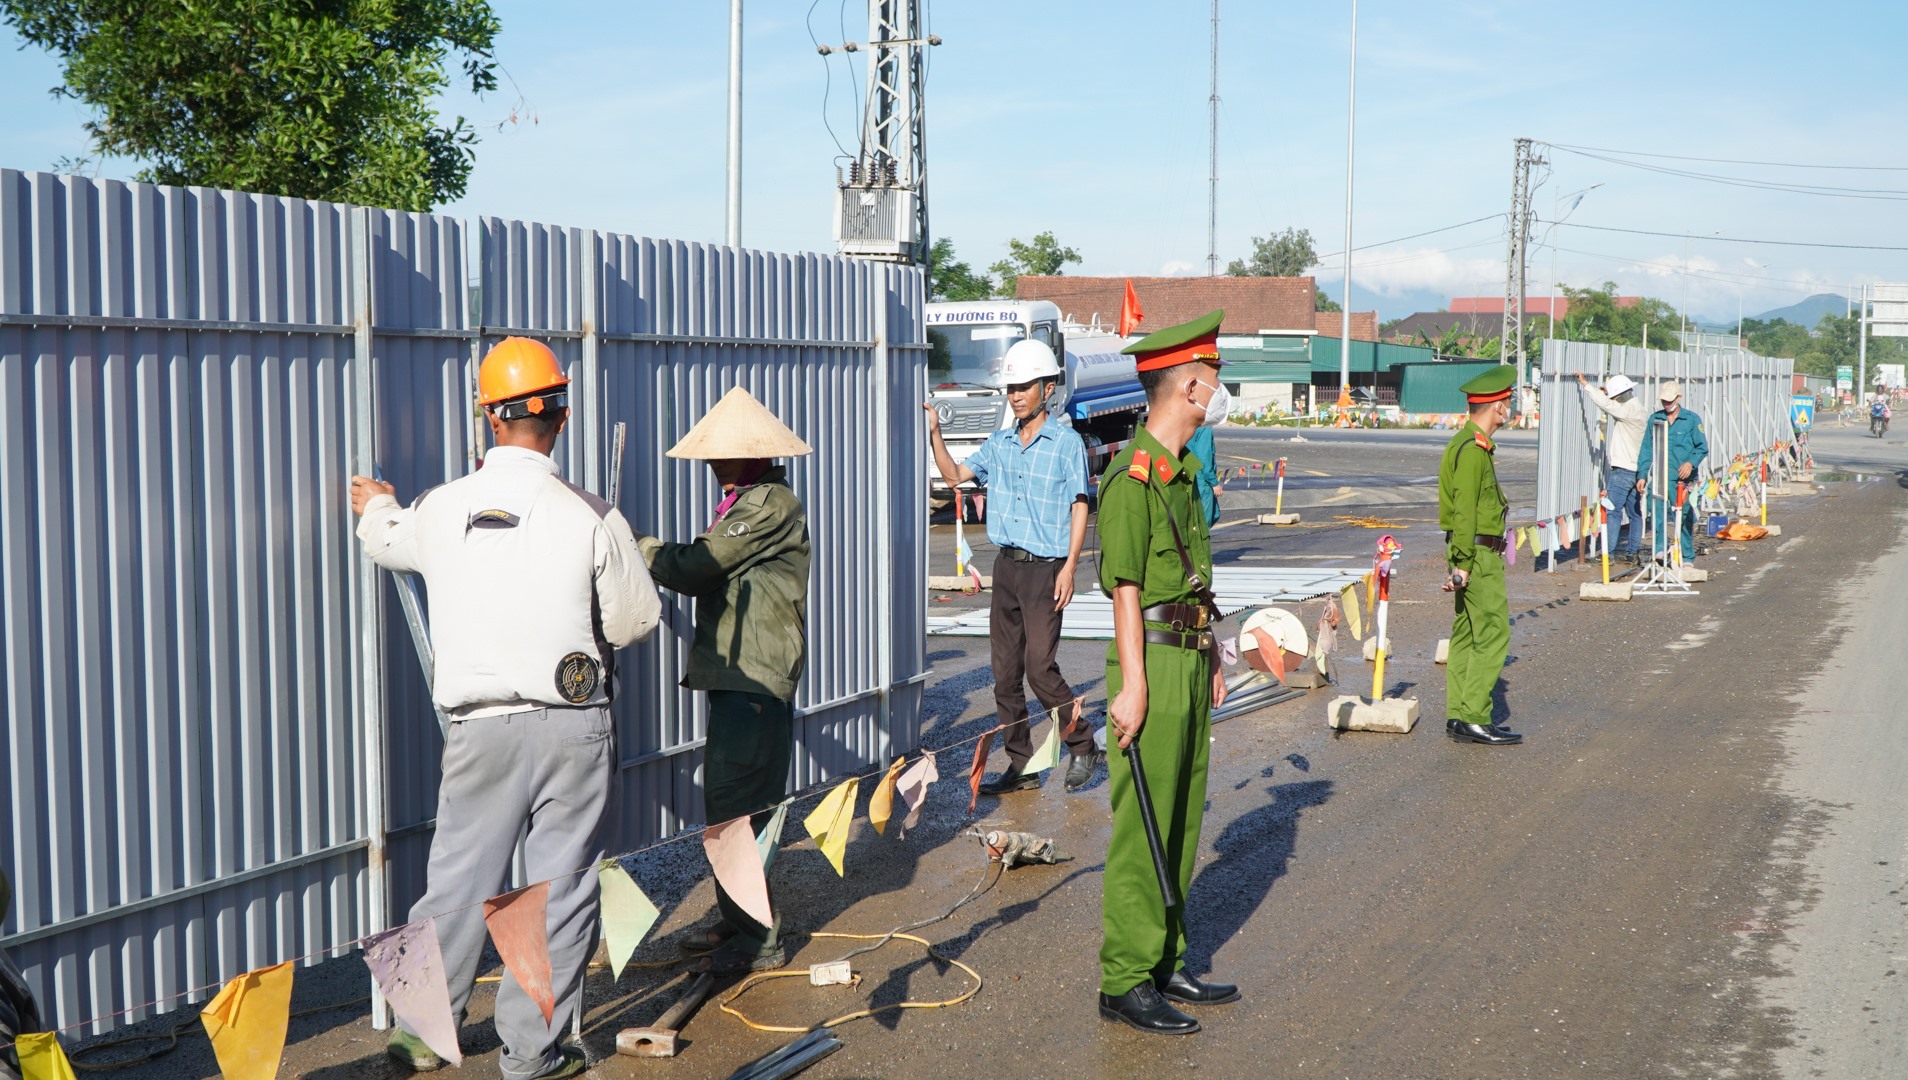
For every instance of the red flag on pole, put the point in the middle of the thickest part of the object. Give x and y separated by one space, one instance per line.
1130 313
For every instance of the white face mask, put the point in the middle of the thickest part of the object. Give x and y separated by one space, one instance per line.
1218 407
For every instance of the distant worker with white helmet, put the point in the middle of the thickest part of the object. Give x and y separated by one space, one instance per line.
1629 421
533 583
1036 479
748 573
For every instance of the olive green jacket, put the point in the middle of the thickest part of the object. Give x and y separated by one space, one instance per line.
749 577
1470 502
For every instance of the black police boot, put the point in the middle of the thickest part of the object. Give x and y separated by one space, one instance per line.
1488 734
1081 767
1182 988
1011 780
1143 1008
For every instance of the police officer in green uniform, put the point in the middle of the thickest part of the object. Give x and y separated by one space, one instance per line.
1471 509
1162 677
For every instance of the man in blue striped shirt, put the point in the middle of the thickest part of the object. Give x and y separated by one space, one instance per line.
1036 480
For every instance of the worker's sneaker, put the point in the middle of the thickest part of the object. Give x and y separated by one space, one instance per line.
572 1063
411 1052
731 961
1081 768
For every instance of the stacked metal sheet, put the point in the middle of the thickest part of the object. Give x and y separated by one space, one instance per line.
1090 616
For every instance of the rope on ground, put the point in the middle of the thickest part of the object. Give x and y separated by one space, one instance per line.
185 1027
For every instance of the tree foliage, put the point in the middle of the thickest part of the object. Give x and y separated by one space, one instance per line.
1043 256
322 99
951 279
1283 254
1594 315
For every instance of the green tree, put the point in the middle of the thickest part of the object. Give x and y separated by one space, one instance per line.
1321 302
951 279
1594 315
321 99
1284 254
1040 257
1777 337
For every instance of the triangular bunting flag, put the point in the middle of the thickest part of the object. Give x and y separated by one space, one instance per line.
408 964
1073 720
769 840
737 862
1354 619
41 1057
246 1023
881 803
829 823
1269 653
627 914
1048 756
981 748
1371 594
519 925
912 788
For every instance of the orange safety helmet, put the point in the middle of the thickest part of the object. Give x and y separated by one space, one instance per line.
516 367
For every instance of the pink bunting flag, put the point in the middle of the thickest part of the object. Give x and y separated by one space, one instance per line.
912 787
737 863
981 748
519 924
408 965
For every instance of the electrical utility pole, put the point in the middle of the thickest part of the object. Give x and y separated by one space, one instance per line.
735 124
1515 265
1212 142
881 209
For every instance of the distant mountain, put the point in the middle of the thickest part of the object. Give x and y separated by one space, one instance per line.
1810 311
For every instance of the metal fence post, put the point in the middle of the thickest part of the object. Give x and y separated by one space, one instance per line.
370 606
884 513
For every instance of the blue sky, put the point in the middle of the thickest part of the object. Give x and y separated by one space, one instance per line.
1089 119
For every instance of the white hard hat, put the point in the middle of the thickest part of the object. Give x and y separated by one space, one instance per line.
1027 361
1279 627
1618 385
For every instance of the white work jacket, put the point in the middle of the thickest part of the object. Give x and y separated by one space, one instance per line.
533 584
1629 418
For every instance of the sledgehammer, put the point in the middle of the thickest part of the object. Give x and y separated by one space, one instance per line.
659 1038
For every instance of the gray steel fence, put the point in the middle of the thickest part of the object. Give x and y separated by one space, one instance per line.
220 749
1742 398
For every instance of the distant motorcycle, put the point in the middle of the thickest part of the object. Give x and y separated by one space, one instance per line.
1878 424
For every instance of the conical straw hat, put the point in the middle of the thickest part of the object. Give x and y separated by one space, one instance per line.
739 428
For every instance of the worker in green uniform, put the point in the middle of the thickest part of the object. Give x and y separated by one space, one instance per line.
1162 676
1471 509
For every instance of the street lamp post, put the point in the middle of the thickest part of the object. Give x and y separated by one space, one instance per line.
1556 219
1351 130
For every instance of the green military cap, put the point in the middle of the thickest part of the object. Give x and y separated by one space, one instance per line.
1182 344
1493 385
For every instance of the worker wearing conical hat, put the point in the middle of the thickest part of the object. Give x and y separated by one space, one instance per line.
1162 677
748 574
1471 508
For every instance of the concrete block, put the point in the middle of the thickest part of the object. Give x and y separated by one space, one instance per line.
1305 680
1777 490
1774 530
1278 519
1350 713
1802 478
1597 590
1371 649
1444 651
956 582
1694 575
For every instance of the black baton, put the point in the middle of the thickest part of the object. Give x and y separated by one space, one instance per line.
1167 893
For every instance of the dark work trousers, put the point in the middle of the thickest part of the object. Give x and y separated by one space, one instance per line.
1025 633
746 759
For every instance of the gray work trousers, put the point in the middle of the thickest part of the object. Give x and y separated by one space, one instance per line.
550 769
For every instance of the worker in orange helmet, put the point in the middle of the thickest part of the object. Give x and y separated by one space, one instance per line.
525 671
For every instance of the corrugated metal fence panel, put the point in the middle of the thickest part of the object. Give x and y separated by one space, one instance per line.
1433 388
180 667
1742 399
183 644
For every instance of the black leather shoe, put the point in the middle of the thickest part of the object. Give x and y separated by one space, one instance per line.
1488 734
1011 780
1451 726
1081 767
1181 987
1143 1008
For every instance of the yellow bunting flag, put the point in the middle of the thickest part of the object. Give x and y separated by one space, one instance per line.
41 1058
881 803
829 822
246 1023
1530 537
1371 590
627 914
1048 756
1354 620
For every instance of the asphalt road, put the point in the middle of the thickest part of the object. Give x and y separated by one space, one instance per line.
1692 867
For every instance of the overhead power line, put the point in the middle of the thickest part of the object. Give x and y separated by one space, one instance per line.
1823 190
1730 239
1413 236
1730 161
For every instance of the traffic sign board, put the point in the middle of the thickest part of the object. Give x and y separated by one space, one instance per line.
1802 412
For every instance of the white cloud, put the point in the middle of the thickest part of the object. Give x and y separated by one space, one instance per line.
1175 268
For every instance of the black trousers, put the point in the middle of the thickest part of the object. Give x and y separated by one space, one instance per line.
1025 633
745 767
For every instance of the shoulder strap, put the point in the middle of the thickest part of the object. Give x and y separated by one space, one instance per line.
1199 586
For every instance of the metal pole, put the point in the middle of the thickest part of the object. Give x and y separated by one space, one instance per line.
884 513
1861 375
1351 130
735 123
1212 142
370 609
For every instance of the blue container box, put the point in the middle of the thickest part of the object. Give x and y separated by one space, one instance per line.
1717 523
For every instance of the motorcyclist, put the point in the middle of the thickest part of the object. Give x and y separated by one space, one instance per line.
1879 414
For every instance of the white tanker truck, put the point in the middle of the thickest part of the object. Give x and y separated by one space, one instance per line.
1098 394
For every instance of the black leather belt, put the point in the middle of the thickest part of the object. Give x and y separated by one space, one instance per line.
1200 640
1023 555
1494 543
1181 616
